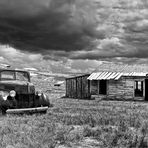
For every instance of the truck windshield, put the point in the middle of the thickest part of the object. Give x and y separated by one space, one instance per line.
14 75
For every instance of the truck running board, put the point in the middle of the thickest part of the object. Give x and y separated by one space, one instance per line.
27 110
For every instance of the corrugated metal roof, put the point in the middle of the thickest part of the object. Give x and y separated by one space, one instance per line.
113 75
91 76
125 68
119 76
101 75
95 76
109 73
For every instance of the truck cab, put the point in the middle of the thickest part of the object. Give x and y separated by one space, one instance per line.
17 84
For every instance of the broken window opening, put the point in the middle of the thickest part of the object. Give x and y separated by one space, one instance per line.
138 88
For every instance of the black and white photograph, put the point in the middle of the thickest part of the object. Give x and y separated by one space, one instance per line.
73 73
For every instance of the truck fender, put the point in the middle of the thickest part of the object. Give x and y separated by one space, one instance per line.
43 100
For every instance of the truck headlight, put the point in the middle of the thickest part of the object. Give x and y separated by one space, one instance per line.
12 93
39 93
4 94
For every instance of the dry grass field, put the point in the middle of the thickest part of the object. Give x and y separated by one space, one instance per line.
78 124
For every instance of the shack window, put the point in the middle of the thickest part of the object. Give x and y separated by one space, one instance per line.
138 88
103 87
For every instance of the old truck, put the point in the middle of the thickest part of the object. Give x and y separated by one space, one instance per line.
18 95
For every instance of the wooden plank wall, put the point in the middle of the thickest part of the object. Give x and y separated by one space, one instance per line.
123 88
85 87
116 89
94 87
78 87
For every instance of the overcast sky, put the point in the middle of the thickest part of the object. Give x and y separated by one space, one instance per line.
73 35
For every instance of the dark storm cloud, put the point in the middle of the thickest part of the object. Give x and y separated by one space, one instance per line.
39 26
126 31
76 29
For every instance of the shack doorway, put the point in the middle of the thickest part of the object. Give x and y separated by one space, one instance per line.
138 88
146 89
103 87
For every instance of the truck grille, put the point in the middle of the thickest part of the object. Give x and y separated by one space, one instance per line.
25 100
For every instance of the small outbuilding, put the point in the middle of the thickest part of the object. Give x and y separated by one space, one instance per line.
78 87
118 81
111 81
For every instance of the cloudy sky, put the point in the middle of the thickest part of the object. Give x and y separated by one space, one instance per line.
73 35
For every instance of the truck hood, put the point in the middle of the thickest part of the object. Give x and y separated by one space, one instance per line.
21 87
15 82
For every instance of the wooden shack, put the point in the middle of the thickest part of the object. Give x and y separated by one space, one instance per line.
78 87
118 81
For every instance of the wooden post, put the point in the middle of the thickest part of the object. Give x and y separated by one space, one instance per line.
66 87
81 87
77 87
88 81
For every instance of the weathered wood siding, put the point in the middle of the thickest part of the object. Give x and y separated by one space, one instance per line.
85 87
123 88
78 87
116 89
94 87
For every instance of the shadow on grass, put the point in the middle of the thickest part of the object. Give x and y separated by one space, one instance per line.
108 99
